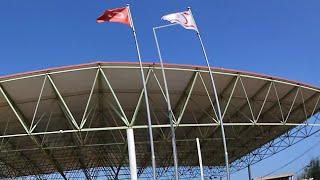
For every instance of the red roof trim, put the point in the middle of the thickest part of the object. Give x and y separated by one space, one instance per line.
185 66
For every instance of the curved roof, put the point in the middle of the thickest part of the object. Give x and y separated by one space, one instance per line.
75 117
171 65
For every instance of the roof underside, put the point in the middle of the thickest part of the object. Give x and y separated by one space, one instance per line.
48 105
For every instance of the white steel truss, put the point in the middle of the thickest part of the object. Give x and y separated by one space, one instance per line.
277 113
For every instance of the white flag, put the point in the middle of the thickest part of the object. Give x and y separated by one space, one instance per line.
184 18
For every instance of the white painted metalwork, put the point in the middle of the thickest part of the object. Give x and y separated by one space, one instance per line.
84 119
102 130
153 158
217 102
200 159
123 115
38 102
64 105
14 109
132 154
170 113
187 99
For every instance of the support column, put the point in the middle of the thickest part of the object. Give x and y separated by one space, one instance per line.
200 159
249 172
132 153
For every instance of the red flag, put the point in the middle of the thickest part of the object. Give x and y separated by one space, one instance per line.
120 15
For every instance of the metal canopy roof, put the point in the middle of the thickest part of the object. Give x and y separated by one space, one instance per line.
70 122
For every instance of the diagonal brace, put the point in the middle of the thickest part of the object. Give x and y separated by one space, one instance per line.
25 125
123 115
63 103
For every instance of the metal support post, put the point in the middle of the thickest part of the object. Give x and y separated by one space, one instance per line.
217 102
132 154
249 172
153 157
200 159
173 135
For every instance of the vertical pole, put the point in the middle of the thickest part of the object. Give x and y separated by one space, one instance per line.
153 159
132 154
249 172
217 102
173 135
200 159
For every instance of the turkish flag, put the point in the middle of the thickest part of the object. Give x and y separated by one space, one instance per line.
120 15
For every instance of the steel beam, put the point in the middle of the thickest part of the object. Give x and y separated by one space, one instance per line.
179 69
14 109
84 118
25 125
185 97
252 98
278 103
37 106
136 111
280 100
305 102
63 104
161 126
248 100
272 147
288 137
230 85
123 115
69 116
265 86
173 118
101 108
183 101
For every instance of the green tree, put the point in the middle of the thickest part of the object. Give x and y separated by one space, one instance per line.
312 170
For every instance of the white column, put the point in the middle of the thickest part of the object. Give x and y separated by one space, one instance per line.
200 159
132 154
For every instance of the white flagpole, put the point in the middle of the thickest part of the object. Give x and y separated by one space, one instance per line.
173 134
153 158
217 100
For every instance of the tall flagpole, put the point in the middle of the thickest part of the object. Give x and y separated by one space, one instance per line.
217 101
173 134
153 158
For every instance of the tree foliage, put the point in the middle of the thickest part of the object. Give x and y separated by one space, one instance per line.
312 170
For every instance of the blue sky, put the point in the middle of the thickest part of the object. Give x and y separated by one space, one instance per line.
274 37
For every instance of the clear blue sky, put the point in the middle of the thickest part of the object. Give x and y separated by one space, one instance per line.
275 37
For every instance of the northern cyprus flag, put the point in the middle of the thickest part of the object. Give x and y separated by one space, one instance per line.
184 18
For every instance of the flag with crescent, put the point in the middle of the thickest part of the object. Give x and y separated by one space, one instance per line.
184 18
